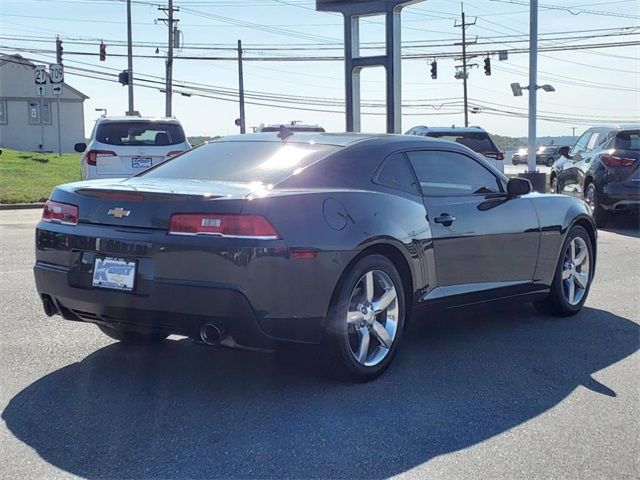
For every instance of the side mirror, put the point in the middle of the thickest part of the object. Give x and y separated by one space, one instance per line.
518 186
564 152
80 147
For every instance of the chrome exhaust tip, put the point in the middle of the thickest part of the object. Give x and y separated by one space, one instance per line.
211 334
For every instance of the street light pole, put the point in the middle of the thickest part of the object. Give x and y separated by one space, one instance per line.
533 89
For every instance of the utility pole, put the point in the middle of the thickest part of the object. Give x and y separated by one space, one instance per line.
169 21
465 71
131 111
241 88
533 86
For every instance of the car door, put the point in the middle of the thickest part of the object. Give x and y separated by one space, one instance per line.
570 178
482 239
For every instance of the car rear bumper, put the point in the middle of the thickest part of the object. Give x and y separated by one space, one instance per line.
257 295
621 196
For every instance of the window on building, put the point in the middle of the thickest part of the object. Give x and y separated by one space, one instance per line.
3 111
45 112
39 112
34 112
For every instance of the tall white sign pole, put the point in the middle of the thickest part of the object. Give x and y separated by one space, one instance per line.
533 89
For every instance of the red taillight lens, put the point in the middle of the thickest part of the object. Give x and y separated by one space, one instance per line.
174 153
247 226
92 155
60 213
614 161
496 155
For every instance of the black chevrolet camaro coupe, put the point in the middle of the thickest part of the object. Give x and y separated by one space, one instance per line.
334 239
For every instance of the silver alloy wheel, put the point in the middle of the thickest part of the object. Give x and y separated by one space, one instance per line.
372 318
575 271
590 197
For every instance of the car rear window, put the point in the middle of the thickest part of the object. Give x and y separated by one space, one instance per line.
478 142
140 133
628 140
294 129
245 162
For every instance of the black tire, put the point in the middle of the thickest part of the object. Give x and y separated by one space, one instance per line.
550 162
337 347
599 214
133 337
556 303
553 184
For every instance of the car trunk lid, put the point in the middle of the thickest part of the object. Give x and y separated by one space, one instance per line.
141 203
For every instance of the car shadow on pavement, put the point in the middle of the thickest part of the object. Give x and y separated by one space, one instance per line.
187 411
628 225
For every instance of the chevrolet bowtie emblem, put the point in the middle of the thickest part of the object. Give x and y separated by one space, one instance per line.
119 212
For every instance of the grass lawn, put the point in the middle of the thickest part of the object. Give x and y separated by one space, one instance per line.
30 176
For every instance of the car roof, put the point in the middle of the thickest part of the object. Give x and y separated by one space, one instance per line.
452 129
617 126
128 118
323 138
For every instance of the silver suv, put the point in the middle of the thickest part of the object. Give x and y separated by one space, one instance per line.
124 146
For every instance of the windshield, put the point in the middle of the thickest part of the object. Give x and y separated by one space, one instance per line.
478 142
264 162
140 133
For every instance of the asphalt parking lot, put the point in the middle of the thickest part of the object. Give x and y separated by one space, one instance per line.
492 393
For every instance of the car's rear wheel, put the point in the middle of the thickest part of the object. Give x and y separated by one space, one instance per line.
132 336
599 214
573 276
550 161
366 319
554 184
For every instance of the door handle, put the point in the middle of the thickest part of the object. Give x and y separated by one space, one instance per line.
445 219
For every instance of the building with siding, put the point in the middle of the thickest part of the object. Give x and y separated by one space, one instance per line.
28 122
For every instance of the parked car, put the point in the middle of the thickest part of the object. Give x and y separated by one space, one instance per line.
316 238
475 138
603 169
124 146
546 155
292 127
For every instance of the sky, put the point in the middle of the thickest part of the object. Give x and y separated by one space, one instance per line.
591 85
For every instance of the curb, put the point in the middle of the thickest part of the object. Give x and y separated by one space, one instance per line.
20 206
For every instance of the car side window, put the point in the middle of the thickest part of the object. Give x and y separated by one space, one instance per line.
395 173
446 173
593 141
581 144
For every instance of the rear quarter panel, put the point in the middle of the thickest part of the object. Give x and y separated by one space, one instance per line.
557 214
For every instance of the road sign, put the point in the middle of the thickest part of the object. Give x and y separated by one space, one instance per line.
56 73
56 89
40 90
41 74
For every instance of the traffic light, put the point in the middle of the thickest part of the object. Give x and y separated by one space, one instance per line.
123 77
434 69
103 52
487 66
58 51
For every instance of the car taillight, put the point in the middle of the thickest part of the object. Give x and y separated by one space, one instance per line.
174 153
60 213
496 155
92 155
615 161
242 226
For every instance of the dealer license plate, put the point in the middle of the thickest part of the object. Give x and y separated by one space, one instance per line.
114 273
141 162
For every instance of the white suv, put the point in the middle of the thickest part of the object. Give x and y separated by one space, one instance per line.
124 146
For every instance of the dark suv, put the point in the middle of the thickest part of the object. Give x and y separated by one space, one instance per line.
546 155
475 138
603 168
